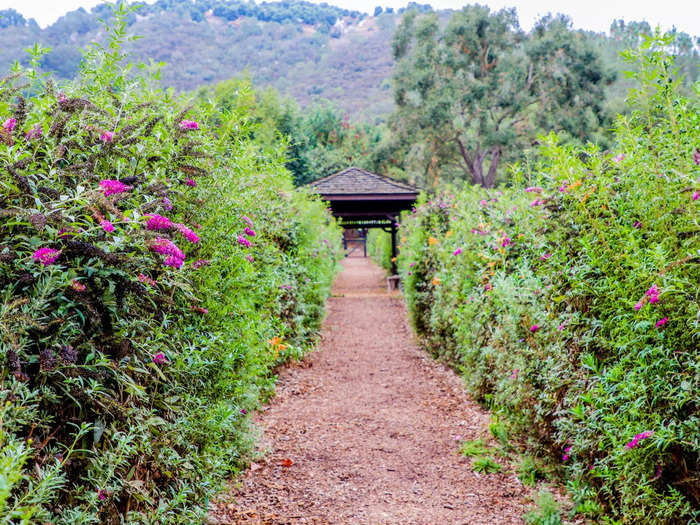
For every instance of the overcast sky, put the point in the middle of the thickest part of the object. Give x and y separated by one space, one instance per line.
593 15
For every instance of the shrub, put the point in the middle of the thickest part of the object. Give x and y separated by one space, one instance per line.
571 307
154 269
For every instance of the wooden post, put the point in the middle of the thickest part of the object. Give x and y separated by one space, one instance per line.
394 270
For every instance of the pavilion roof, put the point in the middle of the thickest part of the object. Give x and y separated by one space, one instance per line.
356 181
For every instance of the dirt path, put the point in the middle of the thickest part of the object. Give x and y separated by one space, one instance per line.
372 427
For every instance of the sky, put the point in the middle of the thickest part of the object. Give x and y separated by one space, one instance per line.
594 15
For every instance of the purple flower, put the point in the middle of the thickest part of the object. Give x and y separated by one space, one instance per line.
661 322
249 232
638 305
101 495
696 195
565 456
187 233
244 411
107 226
545 256
167 204
534 189
173 261
637 224
160 359
247 221
243 241
46 256
113 187
514 374
488 287
200 262
106 136
536 202
619 158
190 182
250 258
188 124
145 279
534 328
505 241
457 251
34 133
696 156
411 265
653 294
639 437
9 125
157 222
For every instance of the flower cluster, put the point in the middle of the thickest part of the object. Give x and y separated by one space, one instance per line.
188 124
113 187
175 256
157 222
46 256
187 233
639 437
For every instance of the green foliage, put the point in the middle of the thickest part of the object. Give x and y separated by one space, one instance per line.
131 356
571 306
379 247
546 511
480 90
486 465
527 471
472 449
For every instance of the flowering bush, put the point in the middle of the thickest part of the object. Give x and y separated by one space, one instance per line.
133 325
571 305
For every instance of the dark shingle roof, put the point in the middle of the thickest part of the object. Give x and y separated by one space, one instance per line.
356 181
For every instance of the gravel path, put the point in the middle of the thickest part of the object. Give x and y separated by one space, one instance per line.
366 430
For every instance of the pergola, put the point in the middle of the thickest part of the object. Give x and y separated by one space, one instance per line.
361 199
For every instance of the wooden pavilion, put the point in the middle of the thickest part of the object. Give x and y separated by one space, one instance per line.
361 199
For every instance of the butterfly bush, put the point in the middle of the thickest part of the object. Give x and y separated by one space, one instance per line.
594 301
114 384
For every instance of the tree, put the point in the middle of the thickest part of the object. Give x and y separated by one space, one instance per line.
478 91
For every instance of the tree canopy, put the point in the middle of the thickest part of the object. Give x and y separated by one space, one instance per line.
479 90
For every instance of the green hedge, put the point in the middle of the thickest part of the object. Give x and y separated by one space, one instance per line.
571 306
379 247
155 265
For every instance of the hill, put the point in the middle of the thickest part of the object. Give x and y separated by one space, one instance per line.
305 51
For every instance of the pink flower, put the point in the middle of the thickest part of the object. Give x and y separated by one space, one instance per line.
187 233
101 495
190 182
505 241
412 265
166 247
661 322
107 226
457 251
534 328
482 202
619 158
514 374
173 261
167 204
9 125
188 124
249 232
653 294
639 437
562 326
247 221
77 286
244 411
536 202
637 224
565 456
145 279
158 222
106 136
243 241
199 309
534 189
34 133
250 258
160 359
113 187
46 256
638 305
696 195
199 263
696 156
545 256
488 287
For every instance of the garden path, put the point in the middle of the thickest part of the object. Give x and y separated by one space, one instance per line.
367 429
